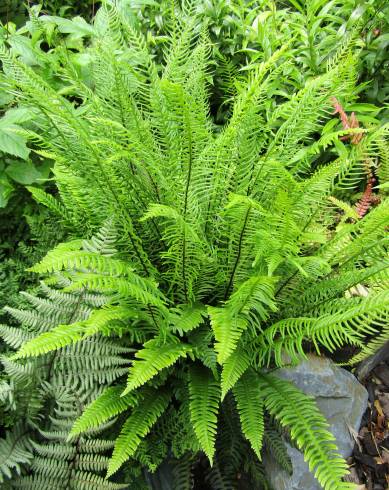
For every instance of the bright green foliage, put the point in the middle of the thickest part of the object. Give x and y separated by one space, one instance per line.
204 404
137 426
107 405
244 34
154 357
249 401
233 369
228 260
307 428
381 323
254 296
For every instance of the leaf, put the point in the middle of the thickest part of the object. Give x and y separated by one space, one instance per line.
204 392
296 4
50 202
385 185
104 407
233 369
23 172
249 400
10 141
77 26
6 190
363 107
13 143
23 46
150 360
18 115
137 426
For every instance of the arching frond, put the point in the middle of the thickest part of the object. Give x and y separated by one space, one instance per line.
138 424
308 428
107 405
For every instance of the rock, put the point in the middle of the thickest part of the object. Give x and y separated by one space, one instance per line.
341 399
162 479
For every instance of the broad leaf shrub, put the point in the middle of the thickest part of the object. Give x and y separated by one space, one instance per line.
375 57
243 34
236 250
16 11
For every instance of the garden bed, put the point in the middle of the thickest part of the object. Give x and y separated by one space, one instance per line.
370 461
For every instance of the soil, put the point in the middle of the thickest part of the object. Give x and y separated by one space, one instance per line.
370 460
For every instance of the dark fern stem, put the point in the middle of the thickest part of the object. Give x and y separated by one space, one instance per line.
240 244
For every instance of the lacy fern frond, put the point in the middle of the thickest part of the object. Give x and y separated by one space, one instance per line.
15 451
64 335
59 385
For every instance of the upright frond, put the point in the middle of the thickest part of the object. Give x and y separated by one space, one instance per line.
249 401
204 406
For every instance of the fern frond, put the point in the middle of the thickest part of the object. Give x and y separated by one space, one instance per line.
57 260
308 428
188 319
182 473
233 369
107 405
154 357
228 330
13 336
255 297
142 290
274 444
64 335
137 426
331 330
204 405
250 407
50 202
15 452
372 346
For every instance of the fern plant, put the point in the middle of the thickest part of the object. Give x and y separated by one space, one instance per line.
48 394
228 262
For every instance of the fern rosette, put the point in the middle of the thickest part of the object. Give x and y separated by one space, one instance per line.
215 248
